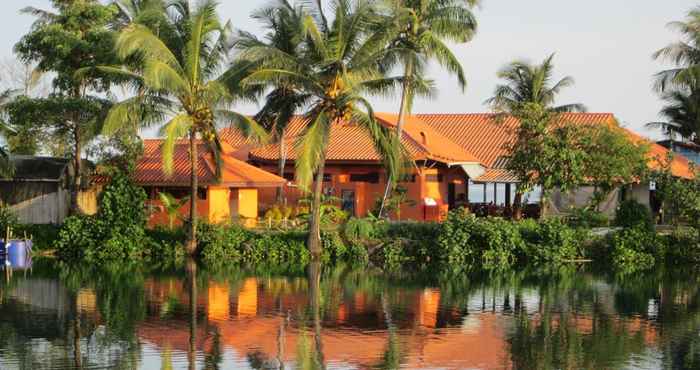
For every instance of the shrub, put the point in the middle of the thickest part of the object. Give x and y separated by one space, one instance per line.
549 241
7 219
43 236
631 213
115 233
496 241
221 242
587 218
466 242
357 229
635 249
684 246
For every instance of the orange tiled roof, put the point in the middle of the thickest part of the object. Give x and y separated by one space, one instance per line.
449 138
234 173
349 142
487 138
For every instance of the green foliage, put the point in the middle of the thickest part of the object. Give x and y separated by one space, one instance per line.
632 214
172 207
43 236
684 246
470 243
7 219
680 197
116 232
635 249
587 218
612 159
357 229
550 242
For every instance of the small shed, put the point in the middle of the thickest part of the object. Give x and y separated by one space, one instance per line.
38 191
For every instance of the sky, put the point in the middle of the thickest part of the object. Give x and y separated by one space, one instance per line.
605 45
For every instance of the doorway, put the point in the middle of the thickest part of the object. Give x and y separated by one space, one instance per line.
348 201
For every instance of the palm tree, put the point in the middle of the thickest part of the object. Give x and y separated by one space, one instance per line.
681 114
526 83
284 25
181 65
422 28
679 86
172 206
339 64
685 54
529 85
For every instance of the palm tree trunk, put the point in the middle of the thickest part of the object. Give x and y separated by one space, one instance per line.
315 221
403 111
518 205
194 164
281 164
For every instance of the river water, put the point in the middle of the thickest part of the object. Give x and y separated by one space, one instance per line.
338 317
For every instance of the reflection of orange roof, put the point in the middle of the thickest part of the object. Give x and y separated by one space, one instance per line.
234 173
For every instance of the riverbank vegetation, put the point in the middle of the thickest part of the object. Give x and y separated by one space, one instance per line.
462 244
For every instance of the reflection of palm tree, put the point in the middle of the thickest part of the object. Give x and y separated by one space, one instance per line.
392 353
192 279
166 358
315 297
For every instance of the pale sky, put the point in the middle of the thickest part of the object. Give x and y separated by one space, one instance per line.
606 45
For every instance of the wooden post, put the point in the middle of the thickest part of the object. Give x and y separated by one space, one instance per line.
495 193
508 190
485 190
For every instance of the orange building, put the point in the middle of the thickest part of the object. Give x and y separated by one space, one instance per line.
459 159
235 195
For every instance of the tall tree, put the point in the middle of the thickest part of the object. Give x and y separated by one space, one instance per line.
421 30
529 94
685 54
182 64
681 114
340 64
76 36
612 159
680 86
285 32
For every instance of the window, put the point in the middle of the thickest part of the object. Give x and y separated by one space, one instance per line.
371 177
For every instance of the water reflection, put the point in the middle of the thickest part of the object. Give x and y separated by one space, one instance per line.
328 318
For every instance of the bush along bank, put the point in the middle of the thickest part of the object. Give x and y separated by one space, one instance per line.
462 243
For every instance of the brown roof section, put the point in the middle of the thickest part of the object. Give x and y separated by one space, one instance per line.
234 173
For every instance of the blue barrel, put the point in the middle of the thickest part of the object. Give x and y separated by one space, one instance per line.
18 253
